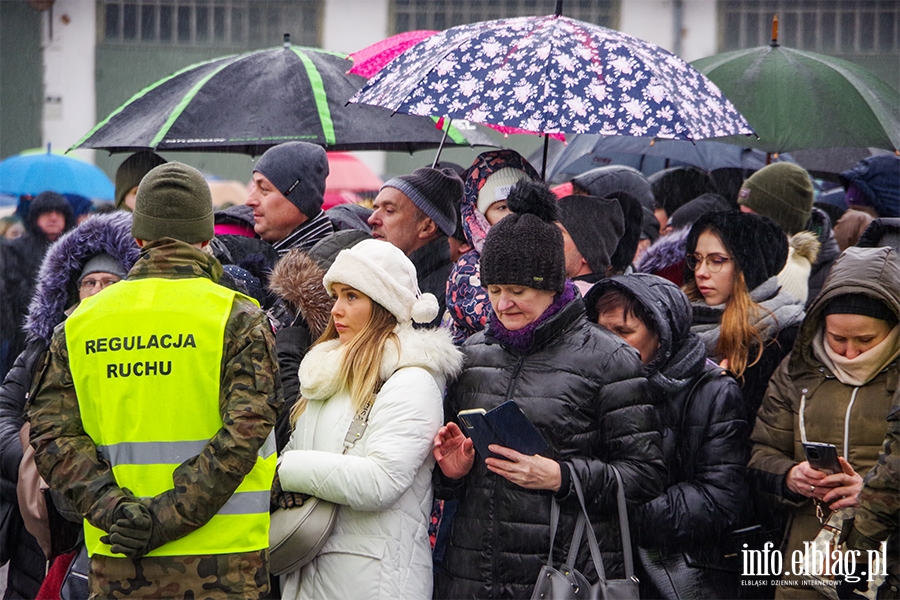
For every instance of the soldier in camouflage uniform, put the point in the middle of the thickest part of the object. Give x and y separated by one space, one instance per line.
878 515
240 451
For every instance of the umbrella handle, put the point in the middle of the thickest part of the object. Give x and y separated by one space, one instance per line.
437 157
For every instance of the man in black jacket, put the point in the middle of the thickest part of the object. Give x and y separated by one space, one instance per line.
417 213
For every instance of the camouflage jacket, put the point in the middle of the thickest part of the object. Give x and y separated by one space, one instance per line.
878 515
250 399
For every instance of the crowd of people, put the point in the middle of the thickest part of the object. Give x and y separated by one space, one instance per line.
173 373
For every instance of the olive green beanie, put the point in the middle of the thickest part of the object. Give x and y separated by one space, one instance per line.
782 192
173 200
132 170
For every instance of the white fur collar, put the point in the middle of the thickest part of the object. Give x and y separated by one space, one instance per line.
430 349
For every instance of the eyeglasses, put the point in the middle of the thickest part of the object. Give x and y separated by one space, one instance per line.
89 284
714 262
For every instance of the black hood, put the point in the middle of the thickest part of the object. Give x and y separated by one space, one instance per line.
681 353
46 202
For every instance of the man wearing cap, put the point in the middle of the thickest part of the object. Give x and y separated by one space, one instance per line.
783 192
591 228
153 413
129 175
417 213
286 196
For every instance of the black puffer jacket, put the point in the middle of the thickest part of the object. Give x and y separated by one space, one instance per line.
705 437
582 387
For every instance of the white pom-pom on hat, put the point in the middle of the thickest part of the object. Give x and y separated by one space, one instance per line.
382 272
425 308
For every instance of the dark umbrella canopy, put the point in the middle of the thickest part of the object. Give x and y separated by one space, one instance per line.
796 100
250 102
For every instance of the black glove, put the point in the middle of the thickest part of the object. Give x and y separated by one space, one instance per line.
283 499
130 534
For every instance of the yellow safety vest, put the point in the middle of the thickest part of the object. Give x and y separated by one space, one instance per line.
146 358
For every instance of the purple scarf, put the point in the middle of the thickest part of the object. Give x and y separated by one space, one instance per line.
521 341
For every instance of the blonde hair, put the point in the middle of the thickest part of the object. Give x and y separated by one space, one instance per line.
737 334
361 363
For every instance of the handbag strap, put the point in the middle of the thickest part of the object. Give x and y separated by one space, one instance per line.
554 523
358 425
584 524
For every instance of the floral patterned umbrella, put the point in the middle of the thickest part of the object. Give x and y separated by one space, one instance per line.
554 74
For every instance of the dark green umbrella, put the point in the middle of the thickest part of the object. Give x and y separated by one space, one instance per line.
250 102
797 100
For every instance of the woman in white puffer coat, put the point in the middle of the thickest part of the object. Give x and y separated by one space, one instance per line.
370 356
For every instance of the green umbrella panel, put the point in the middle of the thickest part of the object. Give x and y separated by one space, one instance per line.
798 100
250 102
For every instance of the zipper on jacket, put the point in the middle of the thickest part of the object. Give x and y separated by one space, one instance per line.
495 533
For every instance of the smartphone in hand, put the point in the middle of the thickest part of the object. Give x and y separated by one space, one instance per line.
822 457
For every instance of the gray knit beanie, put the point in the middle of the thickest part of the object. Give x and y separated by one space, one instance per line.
437 193
782 192
102 263
298 170
173 200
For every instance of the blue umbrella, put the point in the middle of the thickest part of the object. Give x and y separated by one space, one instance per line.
553 74
33 172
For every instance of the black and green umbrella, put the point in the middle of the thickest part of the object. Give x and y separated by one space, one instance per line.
250 102
797 100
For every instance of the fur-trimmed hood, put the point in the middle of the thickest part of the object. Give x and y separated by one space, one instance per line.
63 265
429 349
297 279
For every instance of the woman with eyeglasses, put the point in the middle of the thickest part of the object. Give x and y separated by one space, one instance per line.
747 323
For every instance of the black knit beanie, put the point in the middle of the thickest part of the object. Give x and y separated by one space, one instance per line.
757 244
860 304
595 225
132 170
437 193
173 200
298 170
46 202
676 186
526 247
693 210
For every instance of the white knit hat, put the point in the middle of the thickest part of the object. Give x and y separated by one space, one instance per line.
497 186
382 272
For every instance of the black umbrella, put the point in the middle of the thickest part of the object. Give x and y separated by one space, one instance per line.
250 102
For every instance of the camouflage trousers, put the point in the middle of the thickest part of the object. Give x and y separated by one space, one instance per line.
241 575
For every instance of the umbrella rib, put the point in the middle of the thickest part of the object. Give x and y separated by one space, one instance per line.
182 105
141 93
320 96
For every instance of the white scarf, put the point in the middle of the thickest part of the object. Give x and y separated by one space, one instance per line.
860 370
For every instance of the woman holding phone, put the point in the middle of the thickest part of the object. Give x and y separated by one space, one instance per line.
834 388
583 389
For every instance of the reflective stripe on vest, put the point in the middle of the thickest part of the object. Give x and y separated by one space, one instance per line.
146 358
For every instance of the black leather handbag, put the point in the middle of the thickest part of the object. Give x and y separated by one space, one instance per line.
565 582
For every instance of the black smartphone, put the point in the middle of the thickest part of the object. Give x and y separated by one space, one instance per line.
822 457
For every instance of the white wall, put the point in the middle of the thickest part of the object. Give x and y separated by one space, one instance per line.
654 21
351 25
69 95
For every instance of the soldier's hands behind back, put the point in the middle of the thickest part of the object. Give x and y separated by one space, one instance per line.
130 534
